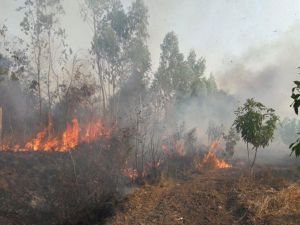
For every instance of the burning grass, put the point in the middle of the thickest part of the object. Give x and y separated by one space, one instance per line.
67 140
211 160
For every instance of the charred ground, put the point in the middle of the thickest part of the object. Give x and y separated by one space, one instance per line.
42 188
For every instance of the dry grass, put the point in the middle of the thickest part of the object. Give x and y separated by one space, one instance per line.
278 203
270 203
141 203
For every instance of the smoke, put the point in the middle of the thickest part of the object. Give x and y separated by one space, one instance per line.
266 72
198 113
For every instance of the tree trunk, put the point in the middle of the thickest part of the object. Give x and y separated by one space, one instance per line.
0 128
39 83
49 71
253 163
248 154
38 42
99 68
102 84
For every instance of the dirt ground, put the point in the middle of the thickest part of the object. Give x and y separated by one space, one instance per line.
216 197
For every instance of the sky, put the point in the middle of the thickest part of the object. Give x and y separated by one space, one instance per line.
245 42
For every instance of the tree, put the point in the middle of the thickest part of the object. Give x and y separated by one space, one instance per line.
256 124
295 147
231 139
41 23
169 71
178 79
119 47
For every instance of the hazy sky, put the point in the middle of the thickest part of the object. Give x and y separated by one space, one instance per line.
216 29
244 37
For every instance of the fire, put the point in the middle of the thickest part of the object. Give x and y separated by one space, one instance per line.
211 158
71 136
68 140
96 130
131 173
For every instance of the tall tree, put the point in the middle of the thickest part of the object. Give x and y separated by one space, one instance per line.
178 78
171 61
137 63
41 23
118 45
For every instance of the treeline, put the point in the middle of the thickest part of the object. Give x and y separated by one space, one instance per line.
112 78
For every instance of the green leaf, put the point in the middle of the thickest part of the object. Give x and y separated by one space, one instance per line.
295 96
297 82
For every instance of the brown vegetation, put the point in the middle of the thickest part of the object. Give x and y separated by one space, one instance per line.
216 197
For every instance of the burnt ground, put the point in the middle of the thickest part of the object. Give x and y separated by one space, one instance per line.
218 197
40 189
50 188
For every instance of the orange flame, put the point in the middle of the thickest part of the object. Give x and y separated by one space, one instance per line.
96 130
211 158
68 140
71 136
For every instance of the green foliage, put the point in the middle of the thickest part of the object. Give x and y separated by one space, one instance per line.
256 124
119 50
296 96
171 61
231 139
180 79
119 38
295 147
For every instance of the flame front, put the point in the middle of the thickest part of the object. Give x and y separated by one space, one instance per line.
68 140
211 158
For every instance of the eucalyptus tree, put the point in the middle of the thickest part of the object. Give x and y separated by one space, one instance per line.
41 25
169 67
118 45
178 79
256 123
4 62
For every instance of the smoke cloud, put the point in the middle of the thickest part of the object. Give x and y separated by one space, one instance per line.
266 73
